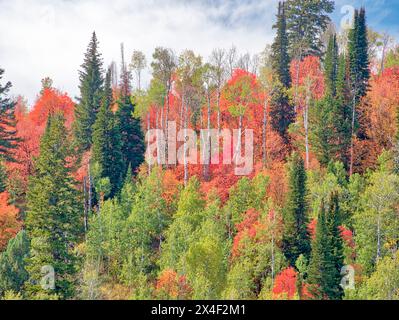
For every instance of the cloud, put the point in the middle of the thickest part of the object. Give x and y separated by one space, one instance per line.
48 38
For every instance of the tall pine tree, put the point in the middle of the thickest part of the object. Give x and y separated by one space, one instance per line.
12 264
107 143
306 22
327 257
330 118
281 111
53 217
331 65
91 86
133 146
359 73
8 139
296 236
279 55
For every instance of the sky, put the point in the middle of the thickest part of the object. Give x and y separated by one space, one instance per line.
49 37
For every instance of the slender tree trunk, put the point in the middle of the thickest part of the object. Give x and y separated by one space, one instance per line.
208 151
185 145
90 190
158 137
85 204
167 125
264 149
306 125
378 237
148 143
352 152
218 109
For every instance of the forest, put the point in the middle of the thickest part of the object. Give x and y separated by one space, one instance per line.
89 212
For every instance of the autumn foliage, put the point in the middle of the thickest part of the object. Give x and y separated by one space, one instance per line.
171 286
9 222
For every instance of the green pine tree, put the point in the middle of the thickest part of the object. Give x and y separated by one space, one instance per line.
133 146
358 55
53 220
8 138
107 142
331 65
334 290
91 86
306 23
326 258
331 117
12 264
279 54
296 236
281 111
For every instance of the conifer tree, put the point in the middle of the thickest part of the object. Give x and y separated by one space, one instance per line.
53 216
296 236
279 55
281 111
107 143
331 118
331 65
359 72
326 258
91 86
8 139
133 146
358 55
12 264
306 22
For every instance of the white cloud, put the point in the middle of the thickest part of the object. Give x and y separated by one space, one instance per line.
48 37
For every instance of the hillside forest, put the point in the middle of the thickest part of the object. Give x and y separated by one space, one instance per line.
84 216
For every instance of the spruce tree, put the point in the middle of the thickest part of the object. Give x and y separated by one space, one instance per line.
319 265
306 22
331 65
295 235
53 216
334 290
91 85
281 111
8 138
107 143
326 258
279 55
133 146
359 75
331 117
358 56
12 264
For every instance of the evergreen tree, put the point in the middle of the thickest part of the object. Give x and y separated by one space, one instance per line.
52 219
331 116
281 111
107 143
279 55
3 177
91 86
358 55
306 22
296 236
8 139
359 74
334 290
331 65
12 264
327 255
133 146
